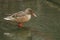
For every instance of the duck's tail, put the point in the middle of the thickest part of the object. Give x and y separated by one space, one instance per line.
9 18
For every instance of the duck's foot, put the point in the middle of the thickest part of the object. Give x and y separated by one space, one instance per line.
20 25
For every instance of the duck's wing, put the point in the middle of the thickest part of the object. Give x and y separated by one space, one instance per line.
18 14
15 15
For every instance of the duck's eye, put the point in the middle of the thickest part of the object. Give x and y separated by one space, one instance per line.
30 10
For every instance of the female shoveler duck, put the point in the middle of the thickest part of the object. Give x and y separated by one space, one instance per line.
21 17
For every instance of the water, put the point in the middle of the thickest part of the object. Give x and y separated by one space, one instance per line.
44 27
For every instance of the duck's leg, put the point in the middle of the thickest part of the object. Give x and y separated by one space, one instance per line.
20 25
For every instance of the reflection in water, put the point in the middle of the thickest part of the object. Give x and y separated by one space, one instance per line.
20 34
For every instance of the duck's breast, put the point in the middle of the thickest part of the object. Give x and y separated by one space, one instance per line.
28 17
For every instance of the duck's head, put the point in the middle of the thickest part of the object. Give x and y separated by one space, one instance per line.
30 11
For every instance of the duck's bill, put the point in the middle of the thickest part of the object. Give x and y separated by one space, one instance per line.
34 15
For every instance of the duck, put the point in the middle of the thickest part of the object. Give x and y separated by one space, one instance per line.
21 17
